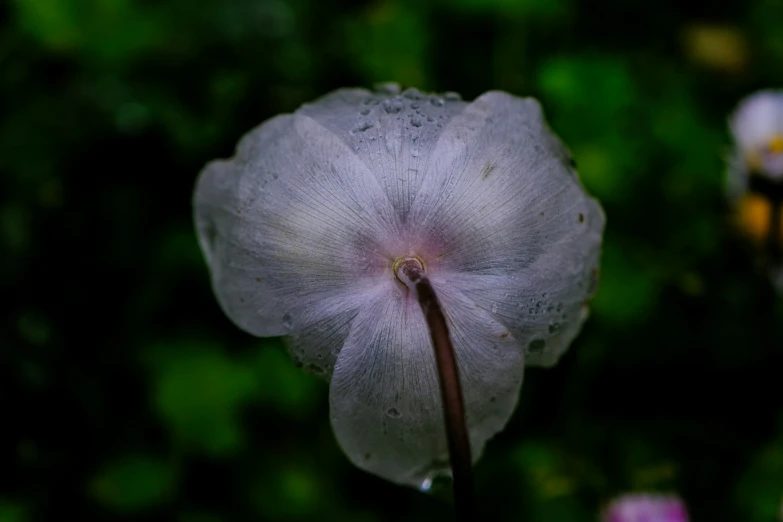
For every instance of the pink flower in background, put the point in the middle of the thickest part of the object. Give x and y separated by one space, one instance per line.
642 507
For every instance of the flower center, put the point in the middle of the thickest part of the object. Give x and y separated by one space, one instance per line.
775 144
409 270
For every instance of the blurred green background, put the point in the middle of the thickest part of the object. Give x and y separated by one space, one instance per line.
126 394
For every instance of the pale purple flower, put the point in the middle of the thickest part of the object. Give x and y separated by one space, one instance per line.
755 177
641 507
304 228
757 129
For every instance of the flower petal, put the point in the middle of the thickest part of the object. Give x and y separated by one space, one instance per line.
544 306
516 230
292 229
393 135
385 399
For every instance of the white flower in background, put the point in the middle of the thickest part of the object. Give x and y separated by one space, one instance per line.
305 227
755 176
757 128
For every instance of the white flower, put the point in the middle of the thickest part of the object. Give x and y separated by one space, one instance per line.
755 177
301 230
757 128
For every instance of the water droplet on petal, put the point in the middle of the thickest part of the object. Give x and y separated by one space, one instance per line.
451 96
393 412
363 126
494 308
392 105
416 122
425 485
316 369
388 88
437 102
413 94
287 322
536 345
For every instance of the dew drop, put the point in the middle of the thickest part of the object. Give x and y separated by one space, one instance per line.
314 368
363 126
494 308
393 105
416 122
437 102
365 112
210 234
394 413
452 96
387 88
287 322
425 485
536 345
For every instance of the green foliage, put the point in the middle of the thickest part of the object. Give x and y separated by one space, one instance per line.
109 30
282 386
532 9
594 125
12 512
199 392
760 489
133 483
389 42
629 287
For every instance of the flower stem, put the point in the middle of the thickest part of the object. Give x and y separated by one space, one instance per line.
411 272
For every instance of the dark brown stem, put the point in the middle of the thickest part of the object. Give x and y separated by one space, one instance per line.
411 273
